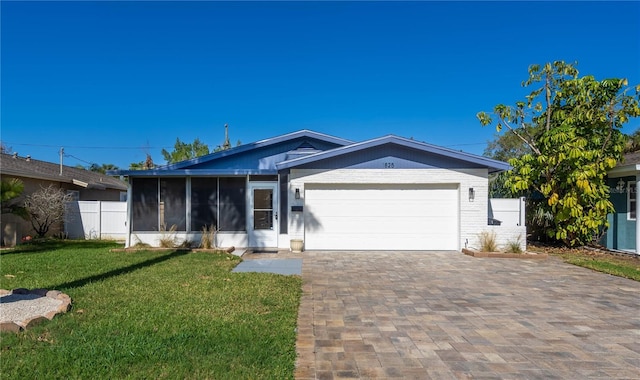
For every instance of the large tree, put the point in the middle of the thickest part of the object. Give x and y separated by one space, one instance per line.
102 168
572 127
504 147
185 151
633 142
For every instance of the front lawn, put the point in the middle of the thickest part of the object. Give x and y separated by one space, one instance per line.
601 261
150 315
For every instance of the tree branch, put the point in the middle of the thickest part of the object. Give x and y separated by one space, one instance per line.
612 121
547 88
530 144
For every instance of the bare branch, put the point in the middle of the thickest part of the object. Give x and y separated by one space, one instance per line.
46 207
529 143
547 87
612 124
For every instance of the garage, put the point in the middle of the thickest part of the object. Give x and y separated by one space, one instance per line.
381 216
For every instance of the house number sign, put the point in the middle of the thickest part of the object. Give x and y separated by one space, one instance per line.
389 165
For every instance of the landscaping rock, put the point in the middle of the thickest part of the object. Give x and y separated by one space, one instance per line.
34 322
10 327
53 293
28 308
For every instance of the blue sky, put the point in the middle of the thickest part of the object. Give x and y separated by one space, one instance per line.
112 81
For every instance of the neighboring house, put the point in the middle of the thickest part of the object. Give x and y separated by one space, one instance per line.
84 185
388 193
624 232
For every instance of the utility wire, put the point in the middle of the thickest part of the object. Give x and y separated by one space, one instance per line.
79 159
88 147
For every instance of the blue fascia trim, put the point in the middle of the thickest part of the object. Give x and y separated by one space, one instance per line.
195 172
392 139
258 144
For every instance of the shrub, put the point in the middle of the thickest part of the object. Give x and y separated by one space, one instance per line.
140 244
488 242
168 238
46 207
513 246
186 244
208 239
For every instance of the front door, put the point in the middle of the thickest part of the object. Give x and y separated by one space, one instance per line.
263 218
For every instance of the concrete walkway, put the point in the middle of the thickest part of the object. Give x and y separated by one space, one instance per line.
444 315
277 266
277 262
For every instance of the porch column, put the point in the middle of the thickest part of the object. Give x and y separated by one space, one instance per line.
637 215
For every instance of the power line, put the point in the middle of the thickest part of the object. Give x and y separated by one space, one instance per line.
79 159
88 147
484 143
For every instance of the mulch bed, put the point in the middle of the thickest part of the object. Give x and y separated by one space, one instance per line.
585 251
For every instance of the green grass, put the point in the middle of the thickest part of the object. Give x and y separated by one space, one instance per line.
610 265
150 315
627 266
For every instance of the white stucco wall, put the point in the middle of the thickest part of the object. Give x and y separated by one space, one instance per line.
473 214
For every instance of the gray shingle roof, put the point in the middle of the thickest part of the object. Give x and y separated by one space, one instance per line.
29 168
630 159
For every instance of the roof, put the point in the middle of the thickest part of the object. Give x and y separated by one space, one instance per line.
186 167
27 167
274 154
628 166
492 165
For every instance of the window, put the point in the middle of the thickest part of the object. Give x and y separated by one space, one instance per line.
159 204
232 204
204 203
631 200
144 203
173 206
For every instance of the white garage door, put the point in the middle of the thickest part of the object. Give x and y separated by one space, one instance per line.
381 217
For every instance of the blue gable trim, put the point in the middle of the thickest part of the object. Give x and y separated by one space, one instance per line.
278 144
254 158
425 155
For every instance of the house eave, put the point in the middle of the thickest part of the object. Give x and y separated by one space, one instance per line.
624 171
196 172
63 179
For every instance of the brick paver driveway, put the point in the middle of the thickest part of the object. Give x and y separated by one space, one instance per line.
443 315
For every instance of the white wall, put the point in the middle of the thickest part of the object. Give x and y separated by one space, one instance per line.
473 214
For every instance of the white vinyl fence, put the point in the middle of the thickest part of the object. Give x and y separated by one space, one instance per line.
509 211
96 220
507 222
